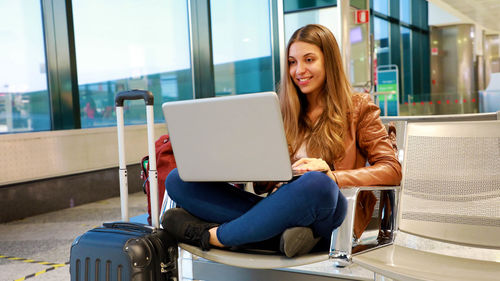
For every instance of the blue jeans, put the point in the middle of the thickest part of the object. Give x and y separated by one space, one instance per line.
312 200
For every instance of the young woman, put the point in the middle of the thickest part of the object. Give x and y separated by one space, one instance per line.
331 133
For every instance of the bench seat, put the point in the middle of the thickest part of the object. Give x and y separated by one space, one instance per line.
402 263
254 260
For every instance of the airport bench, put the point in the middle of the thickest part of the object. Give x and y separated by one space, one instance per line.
355 250
450 192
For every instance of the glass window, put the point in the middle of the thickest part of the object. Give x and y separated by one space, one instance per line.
404 10
143 46
325 16
295 5
24 99
381 6
406 61
241 38
381 38
418 52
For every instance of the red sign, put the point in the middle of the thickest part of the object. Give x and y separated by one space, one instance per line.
362 16
434 51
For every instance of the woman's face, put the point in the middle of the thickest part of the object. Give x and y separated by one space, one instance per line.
307 68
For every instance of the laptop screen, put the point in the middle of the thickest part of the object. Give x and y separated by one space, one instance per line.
233 138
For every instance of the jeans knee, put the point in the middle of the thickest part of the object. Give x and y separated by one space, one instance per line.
320 186
341 210
172 184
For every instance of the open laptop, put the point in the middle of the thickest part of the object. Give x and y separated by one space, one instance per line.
232 138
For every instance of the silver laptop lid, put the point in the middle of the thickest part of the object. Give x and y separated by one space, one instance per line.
232 138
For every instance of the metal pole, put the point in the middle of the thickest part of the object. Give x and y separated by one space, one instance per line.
153 174
123 167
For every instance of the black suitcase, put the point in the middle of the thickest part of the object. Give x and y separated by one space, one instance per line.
125 251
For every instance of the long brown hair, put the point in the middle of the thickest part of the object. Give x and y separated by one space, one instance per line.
324 139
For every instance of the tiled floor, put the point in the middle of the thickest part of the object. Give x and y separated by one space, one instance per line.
48 238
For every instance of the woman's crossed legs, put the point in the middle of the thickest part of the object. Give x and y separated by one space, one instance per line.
312 200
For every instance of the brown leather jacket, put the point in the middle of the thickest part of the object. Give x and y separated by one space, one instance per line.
366 140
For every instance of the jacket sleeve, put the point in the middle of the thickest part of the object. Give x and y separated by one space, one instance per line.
374 143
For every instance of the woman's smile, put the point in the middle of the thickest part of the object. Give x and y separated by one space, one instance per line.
304 81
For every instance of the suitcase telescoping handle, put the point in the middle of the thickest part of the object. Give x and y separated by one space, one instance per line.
147 96
153 174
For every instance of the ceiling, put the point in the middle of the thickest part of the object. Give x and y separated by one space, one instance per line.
483 12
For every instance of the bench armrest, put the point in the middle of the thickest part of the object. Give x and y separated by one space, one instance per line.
343 245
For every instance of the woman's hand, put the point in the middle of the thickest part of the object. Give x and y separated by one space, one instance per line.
305 165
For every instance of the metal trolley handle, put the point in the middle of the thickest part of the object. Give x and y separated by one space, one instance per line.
134 95
148 98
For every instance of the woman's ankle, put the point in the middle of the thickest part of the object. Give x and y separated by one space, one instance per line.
213 237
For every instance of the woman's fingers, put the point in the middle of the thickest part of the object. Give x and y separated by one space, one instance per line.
300 166
310 164
301 161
